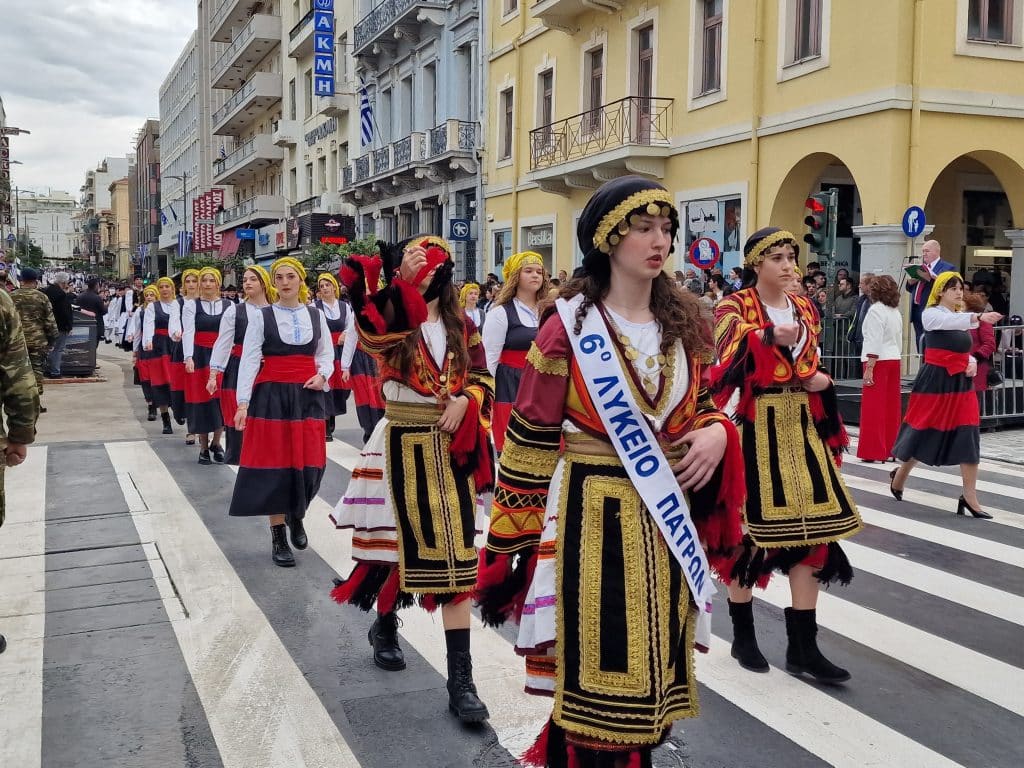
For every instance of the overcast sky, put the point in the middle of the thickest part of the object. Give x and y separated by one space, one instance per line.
83 76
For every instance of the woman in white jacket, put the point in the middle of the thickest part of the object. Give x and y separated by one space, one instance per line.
880 403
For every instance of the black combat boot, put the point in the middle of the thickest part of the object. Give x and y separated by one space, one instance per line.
151 414
383 636
802 654
166 418
744 641
462 697
299 540
282 553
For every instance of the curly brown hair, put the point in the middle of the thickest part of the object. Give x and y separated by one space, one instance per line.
975 301
884 289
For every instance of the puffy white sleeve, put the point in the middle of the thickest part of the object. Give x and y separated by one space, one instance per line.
136 323
149 324
252 356
348 349
495 330
188 328
225 339
939 319
174 323
324 351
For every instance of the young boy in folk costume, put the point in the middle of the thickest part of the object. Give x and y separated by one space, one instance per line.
598 549
412 498
797 506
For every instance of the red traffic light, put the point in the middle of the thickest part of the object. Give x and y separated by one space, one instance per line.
816 205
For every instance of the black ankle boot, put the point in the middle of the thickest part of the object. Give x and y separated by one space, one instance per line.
744 641
462 698
299 540
166 418
383 636
282 553
330 428
802 654
151 414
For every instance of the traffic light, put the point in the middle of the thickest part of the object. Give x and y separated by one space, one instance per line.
821 227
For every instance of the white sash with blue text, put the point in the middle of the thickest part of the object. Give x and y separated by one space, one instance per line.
638 449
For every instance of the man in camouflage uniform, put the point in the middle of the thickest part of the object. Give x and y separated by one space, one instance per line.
19 396
37 322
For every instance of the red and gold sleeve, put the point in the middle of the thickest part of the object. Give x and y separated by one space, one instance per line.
479 381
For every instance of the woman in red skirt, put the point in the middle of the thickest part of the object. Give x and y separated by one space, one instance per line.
880 402
160 317
141 358
200 322
189 290
941 427
339 322
227 352
286 362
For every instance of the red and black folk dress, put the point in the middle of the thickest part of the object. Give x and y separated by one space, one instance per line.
798 507
507 339
176 367
337 398
142 357
158 320
284 452
200 332
942 423
226 355
364 381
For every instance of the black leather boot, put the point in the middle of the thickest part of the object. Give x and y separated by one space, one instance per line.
383 636
744 641
802 654
151 413
299 540
166 418
462 698
282 553
329 426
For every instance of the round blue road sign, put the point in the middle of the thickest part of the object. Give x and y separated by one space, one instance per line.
913 221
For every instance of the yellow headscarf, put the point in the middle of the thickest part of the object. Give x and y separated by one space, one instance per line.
939 285
289 261
150 294
208 271
519 260
165 281
187 273
465 292
268 284
332 280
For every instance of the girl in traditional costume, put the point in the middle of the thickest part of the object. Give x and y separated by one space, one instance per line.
340 323
189 290
142 358
587 545
411 501
160 320
360 373
511 328
282 376
258 292
942 423
469 300
200 323
797 507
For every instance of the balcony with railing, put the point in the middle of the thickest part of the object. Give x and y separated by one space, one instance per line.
393 19
285 133
565 14
226 16
346 177
251 45
309 205
253 212
631 135
247 104
300 38
248 161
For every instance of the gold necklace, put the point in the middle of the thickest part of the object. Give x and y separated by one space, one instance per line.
651 368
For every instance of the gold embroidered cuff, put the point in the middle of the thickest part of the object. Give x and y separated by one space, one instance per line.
550 366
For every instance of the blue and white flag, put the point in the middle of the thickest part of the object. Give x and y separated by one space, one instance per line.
184 244
223 152
163 217
365 115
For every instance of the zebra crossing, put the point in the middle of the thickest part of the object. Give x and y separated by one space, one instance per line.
258 668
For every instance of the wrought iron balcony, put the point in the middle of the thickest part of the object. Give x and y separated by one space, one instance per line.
362 166
308 205
346 177
401 17
255 40
452 136
631 122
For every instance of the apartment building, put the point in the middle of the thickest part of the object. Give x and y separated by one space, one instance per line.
116 227
146 198
48 220
248 71
416 166
743 109
96 207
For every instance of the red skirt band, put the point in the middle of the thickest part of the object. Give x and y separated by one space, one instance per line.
953 362
513 358
336 338
287 369
205 338
160 332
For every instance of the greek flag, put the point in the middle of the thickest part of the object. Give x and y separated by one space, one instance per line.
163 217
223 152
184 244
365 115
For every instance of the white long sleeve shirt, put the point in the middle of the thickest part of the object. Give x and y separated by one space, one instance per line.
188 322
348 349
883 332
496 329
942 319
295 328
149 321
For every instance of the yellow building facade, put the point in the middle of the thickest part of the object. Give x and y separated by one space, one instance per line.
742 108
116 228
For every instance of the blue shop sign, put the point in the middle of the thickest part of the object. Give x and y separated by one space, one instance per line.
323 50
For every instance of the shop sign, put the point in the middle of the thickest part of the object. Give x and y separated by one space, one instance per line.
323 47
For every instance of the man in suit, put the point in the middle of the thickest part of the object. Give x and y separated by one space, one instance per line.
932 266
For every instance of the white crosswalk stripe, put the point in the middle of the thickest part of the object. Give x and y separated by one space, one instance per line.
240 667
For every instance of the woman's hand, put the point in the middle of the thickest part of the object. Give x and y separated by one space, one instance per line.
869 377
175 336
413 260
454 412
990 317
787 334
148 347
346 376
315 382
190 366
817 383
972 368
240 415
705 449
211 384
